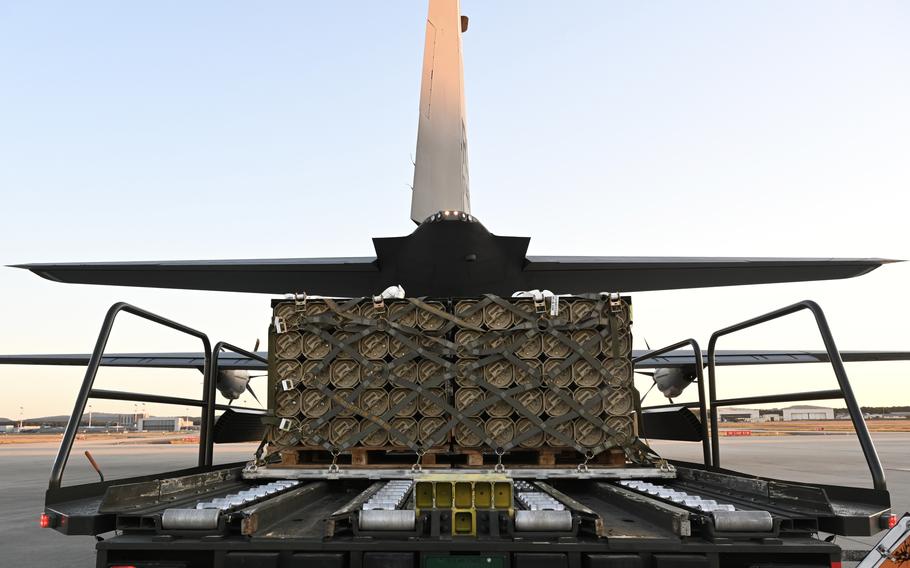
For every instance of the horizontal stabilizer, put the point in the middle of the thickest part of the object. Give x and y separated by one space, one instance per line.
336 276
360 277
638 274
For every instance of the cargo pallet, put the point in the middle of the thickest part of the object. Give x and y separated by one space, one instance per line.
394 457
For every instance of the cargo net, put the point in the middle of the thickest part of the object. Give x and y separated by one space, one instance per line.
490 374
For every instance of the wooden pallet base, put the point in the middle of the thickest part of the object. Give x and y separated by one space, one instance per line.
445 458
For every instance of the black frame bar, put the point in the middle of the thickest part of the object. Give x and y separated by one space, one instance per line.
175 400
206 432
845 391
91 371
700 379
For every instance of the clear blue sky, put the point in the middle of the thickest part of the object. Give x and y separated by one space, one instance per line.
166 130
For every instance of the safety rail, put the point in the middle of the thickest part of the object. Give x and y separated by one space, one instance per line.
845 391
87 391
699 378
206 433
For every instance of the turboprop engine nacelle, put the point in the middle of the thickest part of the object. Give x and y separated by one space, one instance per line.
672 381
232 383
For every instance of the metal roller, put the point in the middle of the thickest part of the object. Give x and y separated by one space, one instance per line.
743 521
380 520
543 521
190 519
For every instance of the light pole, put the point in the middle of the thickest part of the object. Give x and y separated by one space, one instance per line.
90 416
21 414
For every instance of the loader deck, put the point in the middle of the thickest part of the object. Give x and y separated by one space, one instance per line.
312 522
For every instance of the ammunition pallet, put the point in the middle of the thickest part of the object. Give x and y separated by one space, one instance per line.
537 378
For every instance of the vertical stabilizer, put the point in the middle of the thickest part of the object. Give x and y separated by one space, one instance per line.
441 170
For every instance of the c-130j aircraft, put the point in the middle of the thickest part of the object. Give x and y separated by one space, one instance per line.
181 518
451 253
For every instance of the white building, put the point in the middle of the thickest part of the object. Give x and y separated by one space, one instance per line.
807 412
771 417
164 424
737 414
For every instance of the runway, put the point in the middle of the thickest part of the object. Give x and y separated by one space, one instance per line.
24 471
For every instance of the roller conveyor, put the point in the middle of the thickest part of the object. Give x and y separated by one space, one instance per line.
207 515
725 516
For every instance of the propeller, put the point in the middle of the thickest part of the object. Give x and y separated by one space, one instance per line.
248 387
233 383
648 374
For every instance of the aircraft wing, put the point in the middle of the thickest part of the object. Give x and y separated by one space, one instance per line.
726 357
227 360
433 270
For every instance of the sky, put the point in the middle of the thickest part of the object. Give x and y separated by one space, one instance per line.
175 130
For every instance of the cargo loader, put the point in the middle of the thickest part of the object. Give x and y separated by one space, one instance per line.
315 495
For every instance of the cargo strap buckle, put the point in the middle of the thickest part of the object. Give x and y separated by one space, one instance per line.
615 302
379 304
540 303
299 301
281 326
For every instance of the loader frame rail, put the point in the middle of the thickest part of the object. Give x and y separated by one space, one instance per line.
845 391
700 379
87 391
207 432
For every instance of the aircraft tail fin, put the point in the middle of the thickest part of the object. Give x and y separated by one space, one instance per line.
441 165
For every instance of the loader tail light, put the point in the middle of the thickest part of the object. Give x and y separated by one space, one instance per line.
44 521
892 521
835 564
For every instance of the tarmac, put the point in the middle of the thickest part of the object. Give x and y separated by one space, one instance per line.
24 471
